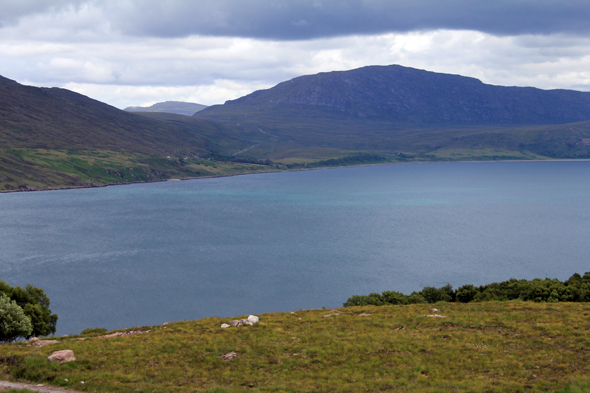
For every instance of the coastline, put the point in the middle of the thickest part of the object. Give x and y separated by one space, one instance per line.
100 185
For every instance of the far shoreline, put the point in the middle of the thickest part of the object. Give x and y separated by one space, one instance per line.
100 185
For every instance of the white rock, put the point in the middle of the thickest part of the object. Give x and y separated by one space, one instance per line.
64 356
224 325
253 319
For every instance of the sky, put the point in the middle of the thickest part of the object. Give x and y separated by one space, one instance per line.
139 52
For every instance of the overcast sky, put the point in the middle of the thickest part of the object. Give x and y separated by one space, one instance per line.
138 52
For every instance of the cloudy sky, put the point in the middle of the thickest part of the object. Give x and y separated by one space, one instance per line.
138 52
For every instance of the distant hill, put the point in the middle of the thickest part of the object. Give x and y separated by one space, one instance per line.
55 137
398 108
178 107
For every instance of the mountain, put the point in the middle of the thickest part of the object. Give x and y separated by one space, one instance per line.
57 138
178 107
395 108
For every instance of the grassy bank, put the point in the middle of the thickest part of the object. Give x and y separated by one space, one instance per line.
29 169
25 169
491 346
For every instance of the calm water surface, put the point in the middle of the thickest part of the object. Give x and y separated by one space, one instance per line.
150 253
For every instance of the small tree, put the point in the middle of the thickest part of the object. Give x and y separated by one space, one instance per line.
35 305
13 321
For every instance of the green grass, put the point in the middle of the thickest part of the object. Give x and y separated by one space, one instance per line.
493 347
51 168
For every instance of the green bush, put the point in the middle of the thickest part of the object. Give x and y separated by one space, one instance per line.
96 330
35 305
13 321
575 289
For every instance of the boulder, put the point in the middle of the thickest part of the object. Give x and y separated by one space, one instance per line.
224 325
67 355
253 319
235 323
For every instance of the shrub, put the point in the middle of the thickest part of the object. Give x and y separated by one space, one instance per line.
575 289
96 330
13 321
35 305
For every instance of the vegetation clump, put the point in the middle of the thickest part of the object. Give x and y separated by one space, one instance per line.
13 321
575 289
35 306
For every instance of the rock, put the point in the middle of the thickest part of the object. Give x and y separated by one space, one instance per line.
434 310
67 355
224 325
254 319
245 322
327 316
33 339
235 323
435 316
229 356
364 315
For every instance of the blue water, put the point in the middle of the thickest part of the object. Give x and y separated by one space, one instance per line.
150 253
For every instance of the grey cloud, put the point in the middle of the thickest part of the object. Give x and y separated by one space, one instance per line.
306 19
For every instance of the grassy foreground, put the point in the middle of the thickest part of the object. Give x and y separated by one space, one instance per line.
493 346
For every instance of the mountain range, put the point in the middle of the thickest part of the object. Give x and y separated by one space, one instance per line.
52 137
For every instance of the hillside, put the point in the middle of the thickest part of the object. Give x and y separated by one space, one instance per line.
399 109
470 347
56 138
177 107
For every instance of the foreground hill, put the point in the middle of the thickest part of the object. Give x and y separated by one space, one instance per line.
399 109
178 107
492 346
52 137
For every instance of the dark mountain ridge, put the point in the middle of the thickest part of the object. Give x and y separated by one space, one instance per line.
418 98
54 118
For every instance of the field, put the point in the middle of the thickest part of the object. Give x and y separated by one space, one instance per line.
476 347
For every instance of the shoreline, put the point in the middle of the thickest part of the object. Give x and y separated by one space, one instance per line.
101 185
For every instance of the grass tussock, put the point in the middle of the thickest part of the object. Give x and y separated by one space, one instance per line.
492 346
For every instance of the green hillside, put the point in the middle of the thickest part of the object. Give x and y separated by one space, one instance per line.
54 138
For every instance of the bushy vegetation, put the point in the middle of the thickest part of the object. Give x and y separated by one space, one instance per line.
354 159
575 289
13 321
35 306
96 330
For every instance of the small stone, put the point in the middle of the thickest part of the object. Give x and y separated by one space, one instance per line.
229 356
327 316
434 310
224 325
436 316
364 315
254 319
67 355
